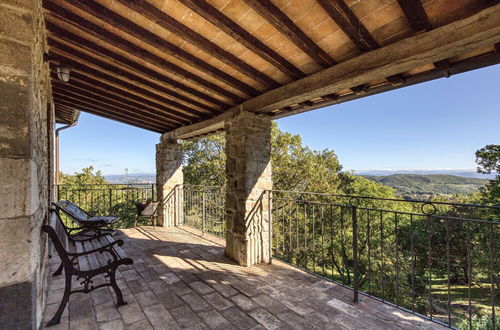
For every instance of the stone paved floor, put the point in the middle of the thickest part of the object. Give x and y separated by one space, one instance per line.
181 280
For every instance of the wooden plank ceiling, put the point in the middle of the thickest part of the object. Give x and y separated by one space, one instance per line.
164 64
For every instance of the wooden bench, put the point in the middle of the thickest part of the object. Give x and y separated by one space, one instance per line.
147 210
85 259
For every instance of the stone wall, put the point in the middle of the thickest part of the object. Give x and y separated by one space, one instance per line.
168 177
24 163
248 175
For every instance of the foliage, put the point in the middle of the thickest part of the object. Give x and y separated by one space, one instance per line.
488 160
82 179
478 323
418 186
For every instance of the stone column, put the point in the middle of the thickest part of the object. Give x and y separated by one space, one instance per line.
248 175
25 128
169 177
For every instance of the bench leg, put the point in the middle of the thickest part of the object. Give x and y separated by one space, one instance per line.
67 290
118 292
59 270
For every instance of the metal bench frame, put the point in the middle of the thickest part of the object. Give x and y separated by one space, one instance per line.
61 240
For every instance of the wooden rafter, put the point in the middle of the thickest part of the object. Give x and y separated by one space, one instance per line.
342 15
98 32
285 25
169 23
135 71
98 110
224 23
104 73
137 31
416 15
106 101
469 34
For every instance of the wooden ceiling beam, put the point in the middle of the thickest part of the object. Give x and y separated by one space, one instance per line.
342 15
134 70
474 32
110 93
167 22
112 115
109 103
224 23
284 25
416 15
137 31
61 14
100 71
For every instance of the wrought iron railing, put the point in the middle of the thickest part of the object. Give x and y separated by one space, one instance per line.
102 199
437 260
203 208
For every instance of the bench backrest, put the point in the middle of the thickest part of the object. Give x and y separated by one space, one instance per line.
72 210
57 234
147 210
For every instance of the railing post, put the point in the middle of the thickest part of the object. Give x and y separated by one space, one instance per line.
58 192
270 220
110 201
152 192
203 213
355 249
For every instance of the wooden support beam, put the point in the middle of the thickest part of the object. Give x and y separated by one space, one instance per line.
111 94
60 14
285 25
224 23
342 15
167 22
106 113
474 32
133 70
102 72
127 26
415 14
108 103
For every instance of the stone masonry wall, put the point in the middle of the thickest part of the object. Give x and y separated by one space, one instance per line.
248 175
168 176
24 163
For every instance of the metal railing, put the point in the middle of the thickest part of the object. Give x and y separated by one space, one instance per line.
103 199
434 259
203 208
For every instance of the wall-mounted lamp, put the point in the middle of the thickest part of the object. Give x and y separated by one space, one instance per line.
63 73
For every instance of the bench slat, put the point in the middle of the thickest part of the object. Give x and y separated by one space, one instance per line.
91 257
82 261
116 248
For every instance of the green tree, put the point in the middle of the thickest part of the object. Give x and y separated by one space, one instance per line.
488 160
80 180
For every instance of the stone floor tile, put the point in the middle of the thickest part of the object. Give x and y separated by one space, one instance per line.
214 320
195 302
131 313
186 318
83 324
146 298
244 302
170 300
265 318
218 301
112 325
200 287
238 318
106 313
159 317
140 325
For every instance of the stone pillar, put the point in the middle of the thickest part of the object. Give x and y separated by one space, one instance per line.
169 177
25 125
248 175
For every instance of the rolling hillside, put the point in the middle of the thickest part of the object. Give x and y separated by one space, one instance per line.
432 184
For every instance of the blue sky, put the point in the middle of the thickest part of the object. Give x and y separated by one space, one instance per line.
435 125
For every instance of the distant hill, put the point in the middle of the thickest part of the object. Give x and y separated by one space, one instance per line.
467 173
432 184
131 178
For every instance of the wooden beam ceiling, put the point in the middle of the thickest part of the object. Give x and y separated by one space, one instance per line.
469 34
415 14
285 25
217 18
